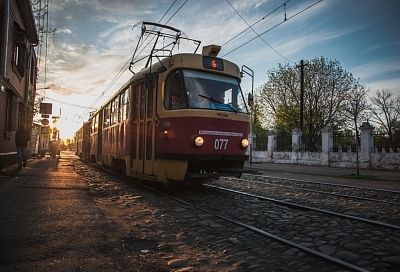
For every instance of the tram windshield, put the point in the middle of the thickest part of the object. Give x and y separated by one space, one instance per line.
200 90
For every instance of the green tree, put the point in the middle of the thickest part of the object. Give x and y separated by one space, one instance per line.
327 85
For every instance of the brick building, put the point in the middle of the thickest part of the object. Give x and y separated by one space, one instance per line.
18 38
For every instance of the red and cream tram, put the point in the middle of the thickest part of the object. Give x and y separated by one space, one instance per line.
180 119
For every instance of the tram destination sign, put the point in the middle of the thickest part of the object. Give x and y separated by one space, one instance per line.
213 63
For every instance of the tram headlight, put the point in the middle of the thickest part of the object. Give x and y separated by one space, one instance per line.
168 133
198 141
245 143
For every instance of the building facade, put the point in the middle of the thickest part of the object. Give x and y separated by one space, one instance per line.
18 69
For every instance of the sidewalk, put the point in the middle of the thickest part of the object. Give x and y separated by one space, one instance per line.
49 221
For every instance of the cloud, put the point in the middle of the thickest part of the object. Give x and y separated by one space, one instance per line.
64 30
95 39
374 69
390 84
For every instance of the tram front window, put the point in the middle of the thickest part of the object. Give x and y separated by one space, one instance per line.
200 90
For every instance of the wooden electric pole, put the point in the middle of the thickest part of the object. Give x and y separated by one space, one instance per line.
301 93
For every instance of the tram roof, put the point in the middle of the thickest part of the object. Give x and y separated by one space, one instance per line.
183 60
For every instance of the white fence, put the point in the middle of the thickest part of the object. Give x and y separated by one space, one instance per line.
368 158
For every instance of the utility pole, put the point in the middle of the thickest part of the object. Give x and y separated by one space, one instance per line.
301 93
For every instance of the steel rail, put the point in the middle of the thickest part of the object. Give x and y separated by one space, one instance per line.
246 226
303 207
332 184
262 232
322 192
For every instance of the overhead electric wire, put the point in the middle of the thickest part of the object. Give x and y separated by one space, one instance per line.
125 66
69 104
258 35
286 19
263 18
173 15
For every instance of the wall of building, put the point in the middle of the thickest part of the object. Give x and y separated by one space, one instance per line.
15 84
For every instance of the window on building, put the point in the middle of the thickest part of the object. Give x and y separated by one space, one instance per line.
20 50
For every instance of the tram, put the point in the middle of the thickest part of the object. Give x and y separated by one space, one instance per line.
183 118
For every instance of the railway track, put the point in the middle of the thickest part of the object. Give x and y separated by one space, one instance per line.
303 207
275 222
349 191
348 226
303 230
376 211
260 231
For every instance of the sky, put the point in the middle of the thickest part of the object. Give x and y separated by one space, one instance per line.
93 40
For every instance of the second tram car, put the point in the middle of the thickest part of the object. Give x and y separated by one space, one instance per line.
181 119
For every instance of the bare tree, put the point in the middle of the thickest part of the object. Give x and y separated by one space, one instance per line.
356 106
355 110
385 111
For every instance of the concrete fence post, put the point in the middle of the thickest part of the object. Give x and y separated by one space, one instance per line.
327 139
296 139
367 141
327 145
272 142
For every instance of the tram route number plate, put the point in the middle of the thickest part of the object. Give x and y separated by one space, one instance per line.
220 144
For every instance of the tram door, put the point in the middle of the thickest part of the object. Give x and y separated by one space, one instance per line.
145 127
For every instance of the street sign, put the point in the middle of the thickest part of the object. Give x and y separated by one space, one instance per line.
45 108
45 130
45 122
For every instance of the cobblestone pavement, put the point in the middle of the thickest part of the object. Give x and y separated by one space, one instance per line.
65 215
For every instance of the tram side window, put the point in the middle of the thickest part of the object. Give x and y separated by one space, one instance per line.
175 96
106 118
142 101
150 103
96 123
124 105
134 102
116 111
111 113
92 125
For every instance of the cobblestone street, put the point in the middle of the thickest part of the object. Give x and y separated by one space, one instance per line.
64 215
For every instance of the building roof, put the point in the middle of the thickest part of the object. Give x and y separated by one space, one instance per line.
29 22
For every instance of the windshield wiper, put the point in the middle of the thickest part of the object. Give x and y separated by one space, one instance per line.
211 99
218 102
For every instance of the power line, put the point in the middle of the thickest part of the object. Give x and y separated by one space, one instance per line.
69 104
263 18
126 64
287 19
173 15
270 46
